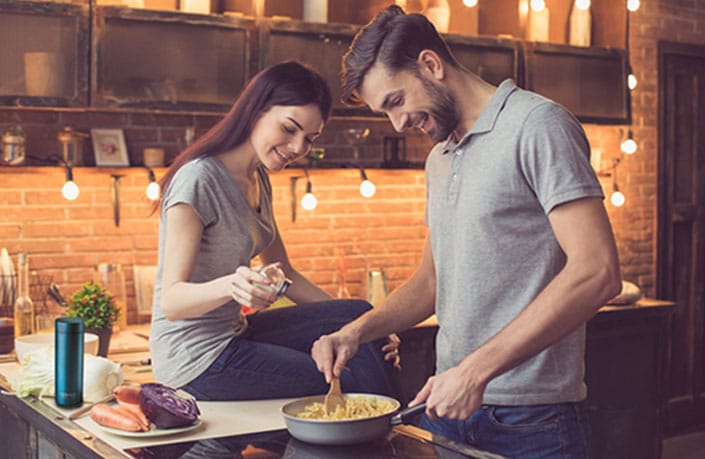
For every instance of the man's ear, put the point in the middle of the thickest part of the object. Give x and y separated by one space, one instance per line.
432 64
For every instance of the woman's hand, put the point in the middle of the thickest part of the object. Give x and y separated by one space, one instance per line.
391 350
250 288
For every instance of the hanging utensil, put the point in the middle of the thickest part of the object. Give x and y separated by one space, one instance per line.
116 198
55 294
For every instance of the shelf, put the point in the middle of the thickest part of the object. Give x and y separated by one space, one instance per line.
44 48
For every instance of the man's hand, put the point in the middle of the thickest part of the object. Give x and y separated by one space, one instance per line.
450 394
391 350
332 352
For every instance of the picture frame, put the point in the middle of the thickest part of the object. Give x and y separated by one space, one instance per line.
109 147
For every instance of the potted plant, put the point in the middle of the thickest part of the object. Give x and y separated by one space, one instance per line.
96 306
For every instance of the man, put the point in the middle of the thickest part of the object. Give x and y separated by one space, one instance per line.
520 252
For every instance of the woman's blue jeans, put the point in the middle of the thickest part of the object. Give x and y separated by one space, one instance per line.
272 359
527 432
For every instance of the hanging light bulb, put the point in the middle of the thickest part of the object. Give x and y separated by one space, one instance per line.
309 201
633 5
70 190
470 3
632 81
617 198
628 145
538 5
367 188
153 191
582 4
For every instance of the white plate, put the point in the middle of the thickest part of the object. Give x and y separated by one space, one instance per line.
152 433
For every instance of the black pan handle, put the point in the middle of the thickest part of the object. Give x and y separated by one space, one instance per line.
404 416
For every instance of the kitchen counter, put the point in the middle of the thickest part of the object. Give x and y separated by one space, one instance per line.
258 426
624 369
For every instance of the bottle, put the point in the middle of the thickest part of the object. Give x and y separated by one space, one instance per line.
24 309
68 361
280 284
112 277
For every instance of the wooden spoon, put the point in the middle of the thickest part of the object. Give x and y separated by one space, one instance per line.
334 397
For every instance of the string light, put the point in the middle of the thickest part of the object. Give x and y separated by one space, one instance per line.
633 5
367 188
617 199
470 3
628 145
70 190
582 4
632 82
538 5
308 201
153 191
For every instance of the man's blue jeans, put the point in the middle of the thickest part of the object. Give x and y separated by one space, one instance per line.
526 432
273 360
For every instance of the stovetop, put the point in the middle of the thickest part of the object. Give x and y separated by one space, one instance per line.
402 442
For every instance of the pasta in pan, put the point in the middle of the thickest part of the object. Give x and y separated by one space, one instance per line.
355 408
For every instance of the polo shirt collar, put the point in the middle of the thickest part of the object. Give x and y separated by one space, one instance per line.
486 121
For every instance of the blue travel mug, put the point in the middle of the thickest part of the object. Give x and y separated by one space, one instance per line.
68 361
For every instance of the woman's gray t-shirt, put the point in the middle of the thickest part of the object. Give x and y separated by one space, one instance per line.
233 233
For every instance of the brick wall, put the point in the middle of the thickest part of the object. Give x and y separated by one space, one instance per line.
66 239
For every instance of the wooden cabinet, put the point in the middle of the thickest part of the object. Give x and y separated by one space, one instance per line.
493 59
625 372
44 49
320 45
625 362
168 60
198 62
590 82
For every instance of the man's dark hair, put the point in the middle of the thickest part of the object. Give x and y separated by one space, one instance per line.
395 39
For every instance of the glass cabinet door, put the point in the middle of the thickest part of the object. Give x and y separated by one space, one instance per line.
44 49
590 82
321 46
493 59
168 60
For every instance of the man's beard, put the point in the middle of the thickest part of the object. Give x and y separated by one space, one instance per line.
444 111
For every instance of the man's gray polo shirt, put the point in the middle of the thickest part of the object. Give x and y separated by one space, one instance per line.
488 197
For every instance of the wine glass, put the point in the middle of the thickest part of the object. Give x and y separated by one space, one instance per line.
356 137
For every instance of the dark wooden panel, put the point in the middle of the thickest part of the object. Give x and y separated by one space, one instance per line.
681 227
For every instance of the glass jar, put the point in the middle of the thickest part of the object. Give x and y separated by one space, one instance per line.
13 140
112 277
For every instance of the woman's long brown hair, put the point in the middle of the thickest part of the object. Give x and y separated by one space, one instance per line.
287 83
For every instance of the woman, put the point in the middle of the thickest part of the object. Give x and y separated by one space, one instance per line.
216 215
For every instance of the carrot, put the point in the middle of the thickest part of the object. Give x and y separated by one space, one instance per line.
107 416
144 427
137 411
128 394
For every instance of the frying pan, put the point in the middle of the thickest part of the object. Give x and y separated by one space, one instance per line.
343 432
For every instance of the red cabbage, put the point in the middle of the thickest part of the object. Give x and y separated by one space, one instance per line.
166 408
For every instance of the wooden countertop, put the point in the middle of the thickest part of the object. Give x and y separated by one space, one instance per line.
644 304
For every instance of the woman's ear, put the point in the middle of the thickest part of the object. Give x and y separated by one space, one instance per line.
431 63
